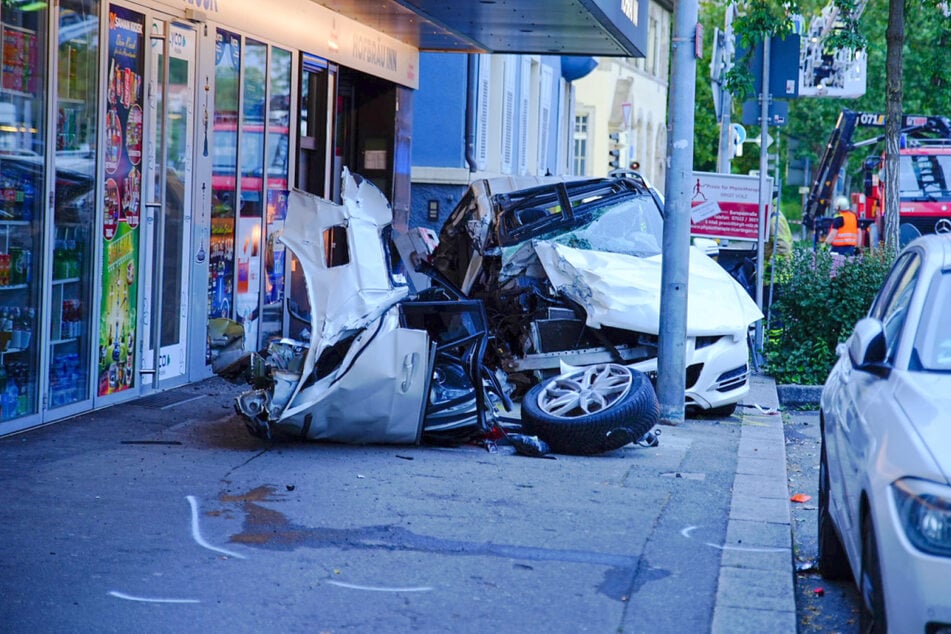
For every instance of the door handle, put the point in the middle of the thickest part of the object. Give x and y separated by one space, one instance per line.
410 363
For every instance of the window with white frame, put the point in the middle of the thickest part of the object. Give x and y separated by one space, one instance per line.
579 163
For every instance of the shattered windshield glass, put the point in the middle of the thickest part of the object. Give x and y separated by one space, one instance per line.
631 226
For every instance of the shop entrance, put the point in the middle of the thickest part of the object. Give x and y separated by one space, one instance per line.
167 189
146 227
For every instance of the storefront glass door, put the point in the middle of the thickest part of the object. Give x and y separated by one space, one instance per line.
23 147
167 195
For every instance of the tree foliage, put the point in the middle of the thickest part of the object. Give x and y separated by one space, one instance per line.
926 85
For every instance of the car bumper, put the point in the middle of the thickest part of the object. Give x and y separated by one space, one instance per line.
717 373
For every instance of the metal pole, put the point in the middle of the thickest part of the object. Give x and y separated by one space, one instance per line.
671 358
726 99
763 193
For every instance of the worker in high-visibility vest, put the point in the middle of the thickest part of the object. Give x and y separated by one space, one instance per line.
844 235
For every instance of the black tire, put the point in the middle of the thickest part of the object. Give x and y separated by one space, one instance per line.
873 619
586 428
833 563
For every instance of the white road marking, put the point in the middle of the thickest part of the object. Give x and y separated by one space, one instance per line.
354 586
129 597
196 531
749 549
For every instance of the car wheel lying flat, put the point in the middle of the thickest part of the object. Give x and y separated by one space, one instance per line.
873 606
833 563
591 410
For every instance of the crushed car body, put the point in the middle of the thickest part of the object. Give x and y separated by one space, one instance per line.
570 273
376 360
525 283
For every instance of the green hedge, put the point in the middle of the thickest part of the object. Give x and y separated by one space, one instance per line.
817 298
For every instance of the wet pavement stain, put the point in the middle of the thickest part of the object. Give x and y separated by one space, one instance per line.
270 529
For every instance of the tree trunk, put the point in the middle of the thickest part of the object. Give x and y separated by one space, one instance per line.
894 39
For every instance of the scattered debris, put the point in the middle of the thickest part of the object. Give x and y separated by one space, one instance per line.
800 498
806 566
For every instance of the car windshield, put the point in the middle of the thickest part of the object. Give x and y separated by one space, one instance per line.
631 226
925 177
932 350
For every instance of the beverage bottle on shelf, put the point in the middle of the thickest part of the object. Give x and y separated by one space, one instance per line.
59 259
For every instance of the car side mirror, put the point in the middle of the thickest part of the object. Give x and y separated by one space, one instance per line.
868 349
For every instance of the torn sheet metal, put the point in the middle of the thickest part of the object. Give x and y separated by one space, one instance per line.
623 291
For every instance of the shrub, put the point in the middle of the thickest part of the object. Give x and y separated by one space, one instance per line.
817 298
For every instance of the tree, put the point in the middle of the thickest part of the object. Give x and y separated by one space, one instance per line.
894 38
924 89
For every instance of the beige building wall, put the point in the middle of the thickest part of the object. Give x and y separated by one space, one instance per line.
627 96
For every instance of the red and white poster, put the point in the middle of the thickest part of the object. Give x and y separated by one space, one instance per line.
726 205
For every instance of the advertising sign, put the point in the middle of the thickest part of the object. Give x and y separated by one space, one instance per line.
122 190
726 205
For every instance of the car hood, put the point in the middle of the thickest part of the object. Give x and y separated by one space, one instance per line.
623 291
925 398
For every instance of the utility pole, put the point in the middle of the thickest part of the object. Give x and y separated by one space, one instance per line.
726 99
764 194
671 357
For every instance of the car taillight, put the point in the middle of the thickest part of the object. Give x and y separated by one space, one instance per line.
925 512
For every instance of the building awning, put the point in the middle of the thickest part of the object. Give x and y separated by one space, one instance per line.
611 28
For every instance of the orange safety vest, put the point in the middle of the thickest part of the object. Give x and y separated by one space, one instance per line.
848 235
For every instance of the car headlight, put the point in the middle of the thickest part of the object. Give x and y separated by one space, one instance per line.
924 509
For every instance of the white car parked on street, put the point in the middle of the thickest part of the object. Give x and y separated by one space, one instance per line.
885 461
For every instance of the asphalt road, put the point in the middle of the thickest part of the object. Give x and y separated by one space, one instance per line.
168 517
821 605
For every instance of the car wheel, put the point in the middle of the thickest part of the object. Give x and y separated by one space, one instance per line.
833 563
591 410
873 596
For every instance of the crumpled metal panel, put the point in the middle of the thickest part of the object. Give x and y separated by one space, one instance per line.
623 291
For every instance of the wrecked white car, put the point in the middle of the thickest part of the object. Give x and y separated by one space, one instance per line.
570 275
560 281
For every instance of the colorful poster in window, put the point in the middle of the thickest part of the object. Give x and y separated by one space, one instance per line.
224 153
274 252
122 192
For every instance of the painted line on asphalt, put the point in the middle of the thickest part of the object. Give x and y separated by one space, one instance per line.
129 597
196 531
749 549
354 586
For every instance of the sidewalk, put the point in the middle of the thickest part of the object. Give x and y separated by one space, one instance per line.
756 590
692 535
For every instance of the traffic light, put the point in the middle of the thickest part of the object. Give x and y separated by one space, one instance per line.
614 153
635 165
614 161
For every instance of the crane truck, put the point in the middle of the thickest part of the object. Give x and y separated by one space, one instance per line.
924 177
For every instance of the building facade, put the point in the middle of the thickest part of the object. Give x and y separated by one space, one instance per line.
482 116
622 107
146 149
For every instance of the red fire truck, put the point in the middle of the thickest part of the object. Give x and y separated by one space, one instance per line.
924 177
